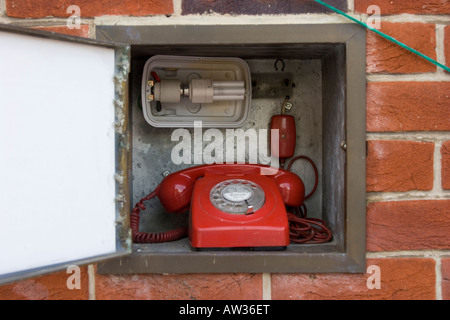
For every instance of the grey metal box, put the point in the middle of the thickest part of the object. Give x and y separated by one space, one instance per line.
324 73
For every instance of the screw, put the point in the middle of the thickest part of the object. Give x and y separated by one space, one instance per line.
288 105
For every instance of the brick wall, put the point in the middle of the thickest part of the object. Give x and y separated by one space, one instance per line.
408 162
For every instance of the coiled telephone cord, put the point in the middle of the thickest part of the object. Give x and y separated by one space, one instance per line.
301 228
152 237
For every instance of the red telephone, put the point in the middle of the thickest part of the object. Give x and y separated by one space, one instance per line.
231 205
240 205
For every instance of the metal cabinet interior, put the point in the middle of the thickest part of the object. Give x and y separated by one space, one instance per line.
326 64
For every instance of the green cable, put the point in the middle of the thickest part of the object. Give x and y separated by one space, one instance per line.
384 35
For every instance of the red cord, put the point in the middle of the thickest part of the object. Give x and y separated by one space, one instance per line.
316 173
301 228
307 230
155 76
152 237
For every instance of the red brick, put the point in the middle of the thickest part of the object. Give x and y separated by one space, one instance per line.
384 56
408 225
179 287
401 279
57 8
399 166
48 287
408 106
405 6
83 31
445 270
445 165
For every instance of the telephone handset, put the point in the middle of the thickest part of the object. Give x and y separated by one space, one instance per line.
230 205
